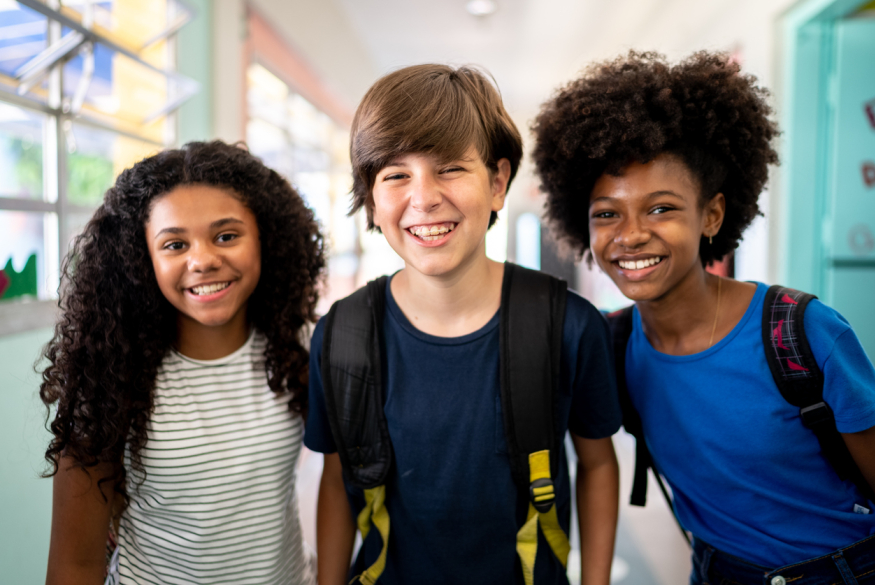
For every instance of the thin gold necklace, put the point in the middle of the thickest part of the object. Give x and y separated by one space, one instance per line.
716 313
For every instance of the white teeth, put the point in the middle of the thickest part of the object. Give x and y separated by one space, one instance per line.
639 264
429 233
208 289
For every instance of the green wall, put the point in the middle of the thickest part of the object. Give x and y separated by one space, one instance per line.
195 60
27 499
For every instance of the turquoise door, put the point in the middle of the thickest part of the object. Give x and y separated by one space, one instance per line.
849 226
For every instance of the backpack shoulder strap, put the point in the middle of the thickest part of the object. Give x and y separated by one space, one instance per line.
620 323
353 384
532 318
799 378
787 351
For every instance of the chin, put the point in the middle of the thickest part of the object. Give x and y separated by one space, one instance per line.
432 266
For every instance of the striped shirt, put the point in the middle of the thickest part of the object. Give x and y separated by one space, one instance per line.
218 502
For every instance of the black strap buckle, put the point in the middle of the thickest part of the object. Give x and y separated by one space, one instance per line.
541 494
815 415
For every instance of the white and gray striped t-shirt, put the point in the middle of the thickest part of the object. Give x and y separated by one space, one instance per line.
218 504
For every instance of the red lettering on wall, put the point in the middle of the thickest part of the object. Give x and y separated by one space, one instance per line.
869 173
870 112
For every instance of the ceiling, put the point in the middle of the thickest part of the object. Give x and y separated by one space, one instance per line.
533 46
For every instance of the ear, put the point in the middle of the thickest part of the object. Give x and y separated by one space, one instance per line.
500 179
713 214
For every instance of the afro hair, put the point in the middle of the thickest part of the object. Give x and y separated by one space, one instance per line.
634 108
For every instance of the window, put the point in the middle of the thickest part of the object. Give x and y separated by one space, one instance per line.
309 148
87 88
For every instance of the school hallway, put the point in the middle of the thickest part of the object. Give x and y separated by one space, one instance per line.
285 77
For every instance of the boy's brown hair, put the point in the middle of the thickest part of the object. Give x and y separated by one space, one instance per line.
429 109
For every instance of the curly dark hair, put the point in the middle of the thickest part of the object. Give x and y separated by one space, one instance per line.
634 108
116 326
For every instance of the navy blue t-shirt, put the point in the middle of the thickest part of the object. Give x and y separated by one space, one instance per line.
453 505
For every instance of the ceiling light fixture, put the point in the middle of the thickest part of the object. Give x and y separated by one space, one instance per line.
481 7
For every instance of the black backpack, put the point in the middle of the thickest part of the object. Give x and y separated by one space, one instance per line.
532 316
793 368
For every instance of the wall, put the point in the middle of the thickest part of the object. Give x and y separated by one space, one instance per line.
194 60
25 516
318 32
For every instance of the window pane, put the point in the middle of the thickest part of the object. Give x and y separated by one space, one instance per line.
122 92
75 223
96 158
28 257
133 24
21 152
22 36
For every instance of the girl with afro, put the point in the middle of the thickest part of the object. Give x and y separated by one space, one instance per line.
178 376
654 171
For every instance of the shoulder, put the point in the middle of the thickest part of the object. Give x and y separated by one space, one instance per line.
824 326
822 320
582 318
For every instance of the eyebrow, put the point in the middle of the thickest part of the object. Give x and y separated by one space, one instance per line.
215 225
649 196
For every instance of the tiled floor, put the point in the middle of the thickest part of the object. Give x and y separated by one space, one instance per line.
649 550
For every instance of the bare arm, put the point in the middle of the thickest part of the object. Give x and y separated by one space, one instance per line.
335 530
80 520
862 448
598 492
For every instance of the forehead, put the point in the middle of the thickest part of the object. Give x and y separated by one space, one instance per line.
469 154
193 205
665 173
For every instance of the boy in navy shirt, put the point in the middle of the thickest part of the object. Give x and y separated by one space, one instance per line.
433 152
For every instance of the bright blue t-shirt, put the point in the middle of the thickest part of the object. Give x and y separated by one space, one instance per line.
453 505
747 476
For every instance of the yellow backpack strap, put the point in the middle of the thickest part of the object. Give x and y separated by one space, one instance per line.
542 511
374 512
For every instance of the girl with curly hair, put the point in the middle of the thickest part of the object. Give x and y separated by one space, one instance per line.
178 373
654 171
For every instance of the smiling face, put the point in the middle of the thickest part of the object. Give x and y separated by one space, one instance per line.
206 253
435 215
646 226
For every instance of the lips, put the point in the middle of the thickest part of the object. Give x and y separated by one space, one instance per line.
210 291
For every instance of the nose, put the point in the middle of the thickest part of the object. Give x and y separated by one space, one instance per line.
426 194
631 233
203 258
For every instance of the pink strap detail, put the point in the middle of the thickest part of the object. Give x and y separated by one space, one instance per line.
786 299
794 366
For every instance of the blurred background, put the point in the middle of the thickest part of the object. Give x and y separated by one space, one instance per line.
89 87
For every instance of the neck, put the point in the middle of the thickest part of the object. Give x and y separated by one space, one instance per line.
204 342
681 321
452 304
